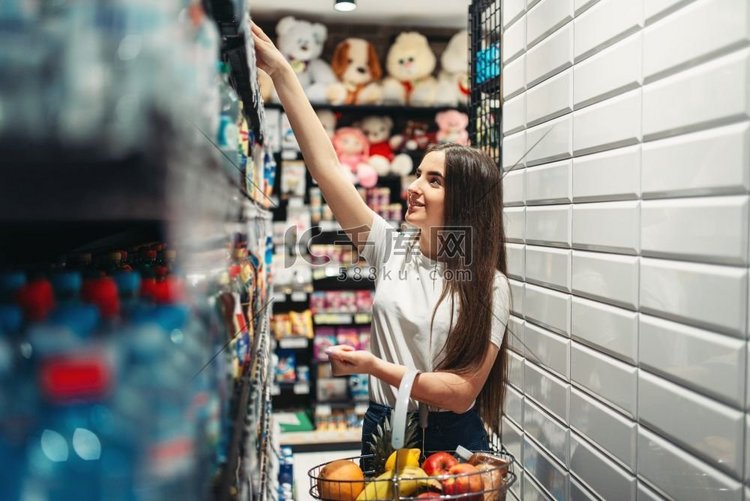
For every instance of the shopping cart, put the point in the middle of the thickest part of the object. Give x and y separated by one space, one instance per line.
489 482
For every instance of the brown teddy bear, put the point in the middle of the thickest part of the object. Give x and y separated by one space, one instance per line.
358 69
410 63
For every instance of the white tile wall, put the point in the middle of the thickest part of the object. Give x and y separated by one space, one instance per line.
546 17
603 476
550 225
550 99
686 228
551 56
680 474
548 183
609 379
610 226
516 333
605 23
670 105
609 430
550 141
515 254
629 247
548 267
705 295
514 405
608 176
548 308
709 363
613 71
514 188
552 477
547 390
716 25
622 114
546 431
606 328
548 349
714 431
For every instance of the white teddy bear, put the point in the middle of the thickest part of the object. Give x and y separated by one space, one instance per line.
302 42
453 81
410 63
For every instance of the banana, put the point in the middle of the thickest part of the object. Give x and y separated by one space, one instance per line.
410 478
406 457
380 489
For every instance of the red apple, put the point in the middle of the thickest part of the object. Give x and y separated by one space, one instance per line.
429 495
464 479
438 463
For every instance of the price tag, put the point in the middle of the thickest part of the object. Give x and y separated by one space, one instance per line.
275 390
301 389
299 296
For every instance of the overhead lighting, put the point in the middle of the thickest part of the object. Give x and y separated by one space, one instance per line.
345 5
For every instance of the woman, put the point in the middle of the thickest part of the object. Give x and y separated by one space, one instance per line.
441 299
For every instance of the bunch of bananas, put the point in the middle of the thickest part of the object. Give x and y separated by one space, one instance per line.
409 479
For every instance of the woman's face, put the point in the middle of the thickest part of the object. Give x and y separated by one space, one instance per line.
427 193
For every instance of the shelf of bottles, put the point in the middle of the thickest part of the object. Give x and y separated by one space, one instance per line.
135 267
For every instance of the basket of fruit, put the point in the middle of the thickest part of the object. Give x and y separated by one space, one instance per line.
398 471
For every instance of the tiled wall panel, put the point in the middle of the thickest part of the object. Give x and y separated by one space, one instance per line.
628 122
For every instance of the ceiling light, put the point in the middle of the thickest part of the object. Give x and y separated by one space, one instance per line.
345 5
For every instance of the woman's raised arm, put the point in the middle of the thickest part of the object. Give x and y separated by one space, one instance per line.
354 216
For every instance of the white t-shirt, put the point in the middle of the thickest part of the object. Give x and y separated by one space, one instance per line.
408 285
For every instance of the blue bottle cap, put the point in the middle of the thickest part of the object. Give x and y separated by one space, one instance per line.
128 283
67 283
168 317
81 318
11 317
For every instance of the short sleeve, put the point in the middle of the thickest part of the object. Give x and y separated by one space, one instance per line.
377 246
500 308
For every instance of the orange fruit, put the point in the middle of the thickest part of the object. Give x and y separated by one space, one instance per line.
340 480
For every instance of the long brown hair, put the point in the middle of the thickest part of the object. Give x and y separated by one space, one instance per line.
474 208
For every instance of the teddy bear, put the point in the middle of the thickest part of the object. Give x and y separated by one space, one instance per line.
301 42
358 69
382 158
452 127
453 80
414 138
410 63
353 151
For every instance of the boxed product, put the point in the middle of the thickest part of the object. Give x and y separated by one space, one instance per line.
286 369
332 390
348 336
325 337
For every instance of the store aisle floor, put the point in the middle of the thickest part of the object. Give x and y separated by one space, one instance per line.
303 461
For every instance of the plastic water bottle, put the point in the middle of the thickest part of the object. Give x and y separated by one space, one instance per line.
12 409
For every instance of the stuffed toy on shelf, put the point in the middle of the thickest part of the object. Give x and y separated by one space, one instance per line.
378 131
353 150
302 42
452 127
358 69
453 80
410 63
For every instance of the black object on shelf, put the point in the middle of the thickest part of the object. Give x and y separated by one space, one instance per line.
485 100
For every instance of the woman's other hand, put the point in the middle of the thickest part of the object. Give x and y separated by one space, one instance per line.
345 360
268 57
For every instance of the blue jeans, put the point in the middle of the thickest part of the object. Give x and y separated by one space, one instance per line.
445 430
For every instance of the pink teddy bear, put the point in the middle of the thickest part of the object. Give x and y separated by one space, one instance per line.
353 150
452 124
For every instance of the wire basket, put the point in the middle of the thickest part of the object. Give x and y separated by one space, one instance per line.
488 482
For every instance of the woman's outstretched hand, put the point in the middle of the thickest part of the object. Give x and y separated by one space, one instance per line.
345 360
268 57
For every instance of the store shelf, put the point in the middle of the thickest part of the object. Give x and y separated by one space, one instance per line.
295 387
342 318
378 108
320 439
